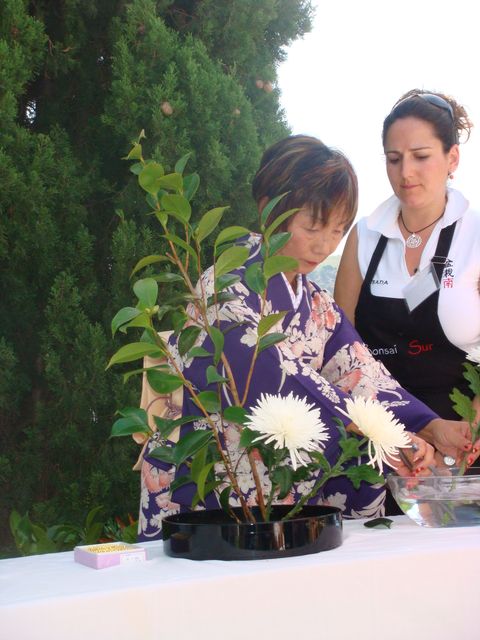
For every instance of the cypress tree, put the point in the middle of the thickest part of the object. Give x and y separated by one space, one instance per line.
78 81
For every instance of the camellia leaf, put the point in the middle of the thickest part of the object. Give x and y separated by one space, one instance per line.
134 351
267 322
276 242
180 481
208 222
230 233
278 221
199 461
172 181
224 499
268 208
136 168
230 259
227 280
146 291
135 152
168 277
201 480
219 298
163 382
190 185
247 437
378 522
165 426
209 401
269 340
165 454
277 264
178 205
187 339
144 262
149 177
255 278
198 352
182 163
239 415
213 375
127 426
123 316
218 340
181 243
190 443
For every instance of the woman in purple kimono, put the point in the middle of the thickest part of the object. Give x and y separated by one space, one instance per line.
322 359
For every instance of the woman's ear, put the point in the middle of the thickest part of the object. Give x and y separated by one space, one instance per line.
453 158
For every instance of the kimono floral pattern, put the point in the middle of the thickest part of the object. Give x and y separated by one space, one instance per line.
322 359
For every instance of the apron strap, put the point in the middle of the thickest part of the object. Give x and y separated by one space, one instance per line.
375 260
443 247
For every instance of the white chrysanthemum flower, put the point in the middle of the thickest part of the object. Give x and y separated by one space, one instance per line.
289 422
384 431
474 354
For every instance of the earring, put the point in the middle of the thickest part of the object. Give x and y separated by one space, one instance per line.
451 176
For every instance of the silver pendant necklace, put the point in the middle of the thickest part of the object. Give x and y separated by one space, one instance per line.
414 240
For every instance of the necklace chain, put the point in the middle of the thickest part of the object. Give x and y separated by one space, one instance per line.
414 240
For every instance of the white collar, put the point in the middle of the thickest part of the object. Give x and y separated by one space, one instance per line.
296 297
384 218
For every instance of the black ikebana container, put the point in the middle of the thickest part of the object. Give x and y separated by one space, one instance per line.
213 535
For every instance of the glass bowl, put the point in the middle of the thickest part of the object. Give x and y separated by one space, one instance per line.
443 500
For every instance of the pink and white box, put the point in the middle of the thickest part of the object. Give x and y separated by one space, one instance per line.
101 556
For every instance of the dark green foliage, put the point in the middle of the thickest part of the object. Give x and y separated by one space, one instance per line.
78 81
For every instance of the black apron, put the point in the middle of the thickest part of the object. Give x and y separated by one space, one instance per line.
413 345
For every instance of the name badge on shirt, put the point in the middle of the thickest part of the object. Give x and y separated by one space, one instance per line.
420 287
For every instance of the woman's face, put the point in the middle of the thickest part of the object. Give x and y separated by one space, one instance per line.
417 165
312 242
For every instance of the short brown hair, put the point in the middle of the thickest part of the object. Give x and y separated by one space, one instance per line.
312 174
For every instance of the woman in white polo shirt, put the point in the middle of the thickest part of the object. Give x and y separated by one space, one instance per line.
410 272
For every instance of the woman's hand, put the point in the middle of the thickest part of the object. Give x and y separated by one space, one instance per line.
452 438
417 460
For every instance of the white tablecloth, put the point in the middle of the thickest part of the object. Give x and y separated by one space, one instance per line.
403 582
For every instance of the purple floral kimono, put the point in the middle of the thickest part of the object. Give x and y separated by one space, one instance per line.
322 359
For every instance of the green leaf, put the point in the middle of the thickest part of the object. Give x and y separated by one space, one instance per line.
165 426
462 404
472 375
254 277
144 262
135 152
231 259
269 340
209 401
199 461
278 264
187 339
181 243
350 447
220 298
320 461
268 208
230 233
146 291
168 277
267 322
180 481
213 376
227 280
239 415
282 477
224 499
378 522
201 480
127 426
178 318
165 454
363 472
247 437
218 340
210 486
276 242
190 185
177 205
152 201
134 351
149 177
208 222
173 181
182 163
197 352
163 382
189 444
278 221
136 168
123 316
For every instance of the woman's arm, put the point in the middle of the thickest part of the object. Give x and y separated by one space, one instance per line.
349 278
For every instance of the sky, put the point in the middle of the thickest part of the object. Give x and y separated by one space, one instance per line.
341 80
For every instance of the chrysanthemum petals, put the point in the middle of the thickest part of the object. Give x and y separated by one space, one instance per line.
474 354
288 422
384 431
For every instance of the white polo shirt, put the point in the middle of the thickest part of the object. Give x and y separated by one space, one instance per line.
459 299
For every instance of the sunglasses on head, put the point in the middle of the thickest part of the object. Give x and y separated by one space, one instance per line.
432 99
